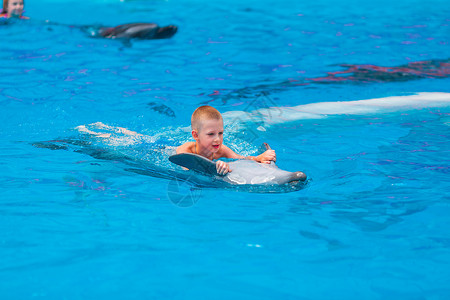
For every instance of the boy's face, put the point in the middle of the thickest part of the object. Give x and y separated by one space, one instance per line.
15 8
209 137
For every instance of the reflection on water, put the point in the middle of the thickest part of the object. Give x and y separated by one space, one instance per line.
353 74
365 73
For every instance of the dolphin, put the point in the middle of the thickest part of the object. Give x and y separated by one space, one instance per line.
144 31
246 175
244 172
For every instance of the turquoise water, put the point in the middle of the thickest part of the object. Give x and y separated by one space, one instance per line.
87 220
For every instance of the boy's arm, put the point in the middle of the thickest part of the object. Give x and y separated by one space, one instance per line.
184 149
221 166
266 157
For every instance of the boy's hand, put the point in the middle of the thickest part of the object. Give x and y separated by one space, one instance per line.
222 167
267 157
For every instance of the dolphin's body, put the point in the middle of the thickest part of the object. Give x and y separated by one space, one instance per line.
264 177
145 31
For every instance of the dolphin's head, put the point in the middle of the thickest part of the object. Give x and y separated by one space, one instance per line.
297 176
251 172
166 32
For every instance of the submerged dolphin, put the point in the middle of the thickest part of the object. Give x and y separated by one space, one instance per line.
244 172
145 31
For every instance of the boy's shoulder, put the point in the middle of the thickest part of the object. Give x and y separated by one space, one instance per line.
188 147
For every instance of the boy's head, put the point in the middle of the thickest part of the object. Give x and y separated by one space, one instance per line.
207 130
202 114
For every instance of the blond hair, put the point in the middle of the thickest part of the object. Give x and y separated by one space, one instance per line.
204 113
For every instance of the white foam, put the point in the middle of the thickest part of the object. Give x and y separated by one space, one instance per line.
277 115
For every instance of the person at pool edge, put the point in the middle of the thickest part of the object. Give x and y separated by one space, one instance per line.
12 9
207 131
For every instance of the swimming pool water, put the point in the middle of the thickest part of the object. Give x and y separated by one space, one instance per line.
84 223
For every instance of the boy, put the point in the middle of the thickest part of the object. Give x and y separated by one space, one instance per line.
207 131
